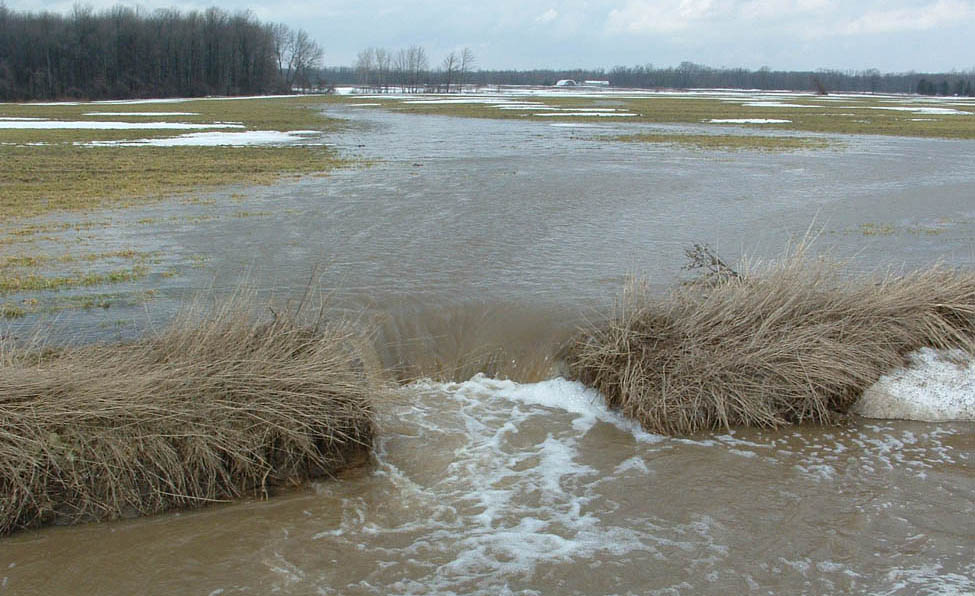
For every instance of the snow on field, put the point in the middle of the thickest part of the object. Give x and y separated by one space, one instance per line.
102 125
924 110
214 139
589 114
157 114
776 104
748 121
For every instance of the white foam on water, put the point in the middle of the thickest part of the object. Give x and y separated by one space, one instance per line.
570 396
935 386
929 578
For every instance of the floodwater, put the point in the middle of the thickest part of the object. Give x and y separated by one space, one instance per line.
476 241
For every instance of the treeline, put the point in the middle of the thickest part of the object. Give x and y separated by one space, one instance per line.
409 69
685 76
125 53
690 75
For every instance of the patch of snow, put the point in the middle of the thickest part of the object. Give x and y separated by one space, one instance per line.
213 139
99 125
141 114
591 114
924 110
775 104
748 121
935 386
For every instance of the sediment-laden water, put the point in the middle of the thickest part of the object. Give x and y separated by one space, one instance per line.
477 241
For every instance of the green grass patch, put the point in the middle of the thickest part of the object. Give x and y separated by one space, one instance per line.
62 174
38 180
727 142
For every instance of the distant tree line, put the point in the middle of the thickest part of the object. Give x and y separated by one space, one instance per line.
382 69
409 70
125 53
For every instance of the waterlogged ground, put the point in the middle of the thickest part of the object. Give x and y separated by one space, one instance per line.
469 235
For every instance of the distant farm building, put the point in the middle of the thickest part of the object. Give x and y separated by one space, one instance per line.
567 83
596 83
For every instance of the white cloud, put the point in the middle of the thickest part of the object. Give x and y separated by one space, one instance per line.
921 18
547 17
648 16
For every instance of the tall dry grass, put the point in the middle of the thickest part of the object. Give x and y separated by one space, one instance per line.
212 408
794 341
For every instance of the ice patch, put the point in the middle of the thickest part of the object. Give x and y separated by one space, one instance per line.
748 121
936 386
141 114
215 139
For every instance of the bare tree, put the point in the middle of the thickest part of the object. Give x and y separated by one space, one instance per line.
384 59
450 65
365 66
297 55
467 62
416 65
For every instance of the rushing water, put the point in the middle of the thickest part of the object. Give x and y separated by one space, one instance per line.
473 236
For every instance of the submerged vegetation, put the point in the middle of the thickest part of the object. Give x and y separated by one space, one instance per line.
214 408
793 342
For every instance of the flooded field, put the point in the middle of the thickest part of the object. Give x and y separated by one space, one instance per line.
470 239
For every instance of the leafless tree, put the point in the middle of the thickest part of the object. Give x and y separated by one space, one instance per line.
467 63
416 66
365 65
450 65
297 55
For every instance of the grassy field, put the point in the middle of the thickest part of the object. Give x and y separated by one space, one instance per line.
59 169
809 113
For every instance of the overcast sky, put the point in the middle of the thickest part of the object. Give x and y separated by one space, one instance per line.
890 35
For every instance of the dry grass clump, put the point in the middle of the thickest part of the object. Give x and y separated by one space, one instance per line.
797 341
210 409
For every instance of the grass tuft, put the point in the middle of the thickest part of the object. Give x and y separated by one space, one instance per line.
792 342
213 408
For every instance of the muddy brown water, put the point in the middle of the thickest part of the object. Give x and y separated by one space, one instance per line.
480 241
